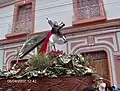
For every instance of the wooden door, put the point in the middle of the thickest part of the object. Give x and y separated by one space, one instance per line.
100 63
101 66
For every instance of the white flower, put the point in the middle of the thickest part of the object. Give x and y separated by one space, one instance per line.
53 75
80 55
60 55
69 72
44 70
82 59
88 70
35 74
39 72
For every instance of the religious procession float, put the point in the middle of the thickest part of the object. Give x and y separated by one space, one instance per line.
48 71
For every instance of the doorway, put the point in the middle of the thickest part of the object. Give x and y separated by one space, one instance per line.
99 62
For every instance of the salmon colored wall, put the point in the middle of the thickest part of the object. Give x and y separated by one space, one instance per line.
117 68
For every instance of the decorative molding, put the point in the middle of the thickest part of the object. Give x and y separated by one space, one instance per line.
16 35
109 25
11 41
93 33
81 42
91 40
118 57
9 53
106 45
103 40
118 39
10 46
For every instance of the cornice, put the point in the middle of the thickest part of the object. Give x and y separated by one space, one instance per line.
114 23
9 41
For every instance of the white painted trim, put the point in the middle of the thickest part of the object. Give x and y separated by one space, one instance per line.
94 33
114 45
6 58
9 61
116 53
118 39
9 47
72 41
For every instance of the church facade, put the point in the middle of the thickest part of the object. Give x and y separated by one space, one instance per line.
92 27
